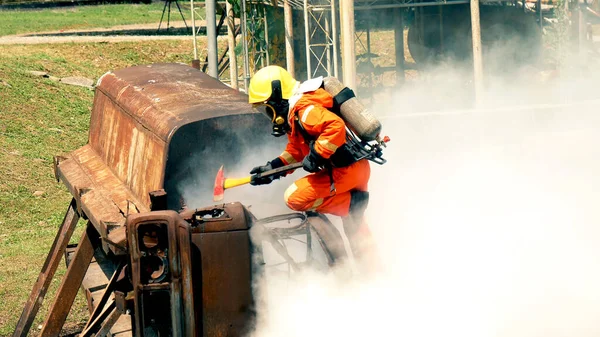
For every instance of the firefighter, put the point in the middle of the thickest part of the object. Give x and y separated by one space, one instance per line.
337 183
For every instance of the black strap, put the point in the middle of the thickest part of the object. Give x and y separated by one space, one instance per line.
341 98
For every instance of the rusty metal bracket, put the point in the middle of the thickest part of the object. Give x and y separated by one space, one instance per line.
47 273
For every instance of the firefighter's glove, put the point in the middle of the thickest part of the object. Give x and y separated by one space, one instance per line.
313 162
273 164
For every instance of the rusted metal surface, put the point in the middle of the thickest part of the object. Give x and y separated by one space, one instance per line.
137 110
218 218
106 318
330 239
223 272
103 198
41 286
69 286
108 290
155 240
108 323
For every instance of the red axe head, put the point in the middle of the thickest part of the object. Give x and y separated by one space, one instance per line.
219 190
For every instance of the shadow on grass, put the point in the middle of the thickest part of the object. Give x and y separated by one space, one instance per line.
163 31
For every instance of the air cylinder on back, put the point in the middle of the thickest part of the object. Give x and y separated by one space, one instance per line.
358 118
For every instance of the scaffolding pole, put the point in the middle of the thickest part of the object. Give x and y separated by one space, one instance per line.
477 57
233 71
289 38
195 61
245 45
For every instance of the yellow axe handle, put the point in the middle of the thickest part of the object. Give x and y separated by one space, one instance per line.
233 182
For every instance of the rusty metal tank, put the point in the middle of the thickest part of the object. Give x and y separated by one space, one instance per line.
146 123
156 131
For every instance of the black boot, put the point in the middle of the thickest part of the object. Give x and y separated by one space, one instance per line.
359 200
352 223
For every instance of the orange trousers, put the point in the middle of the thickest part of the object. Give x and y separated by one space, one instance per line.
312 192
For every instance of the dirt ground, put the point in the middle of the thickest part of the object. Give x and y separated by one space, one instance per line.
113 34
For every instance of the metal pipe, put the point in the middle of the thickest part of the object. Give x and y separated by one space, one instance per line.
195 61
421 4
538 6
233 74
211 34
399 45
348 52
328 46
307 40
477 57
334 39
245 45
289 38
267 57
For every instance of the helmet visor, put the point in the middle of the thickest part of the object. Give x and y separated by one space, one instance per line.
265 109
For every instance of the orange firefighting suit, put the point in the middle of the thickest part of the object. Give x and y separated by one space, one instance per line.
313 192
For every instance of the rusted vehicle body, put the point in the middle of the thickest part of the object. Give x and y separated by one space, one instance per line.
149 264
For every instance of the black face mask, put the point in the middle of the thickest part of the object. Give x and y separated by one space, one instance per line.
280 109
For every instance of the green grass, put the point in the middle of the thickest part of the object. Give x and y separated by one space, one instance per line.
85 17
39 119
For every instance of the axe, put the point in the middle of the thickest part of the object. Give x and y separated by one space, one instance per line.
222 183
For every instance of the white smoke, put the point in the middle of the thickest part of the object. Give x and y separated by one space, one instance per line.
486 220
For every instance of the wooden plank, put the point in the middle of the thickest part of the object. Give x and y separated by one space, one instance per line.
41 286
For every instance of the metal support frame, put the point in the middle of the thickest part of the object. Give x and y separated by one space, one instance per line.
96 318
196 16
231 34
47 273
168 5
70 284
320 33
258 46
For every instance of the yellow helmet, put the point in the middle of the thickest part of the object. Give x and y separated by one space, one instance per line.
261 84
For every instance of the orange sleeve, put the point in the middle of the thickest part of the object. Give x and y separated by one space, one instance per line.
291 154
328 127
